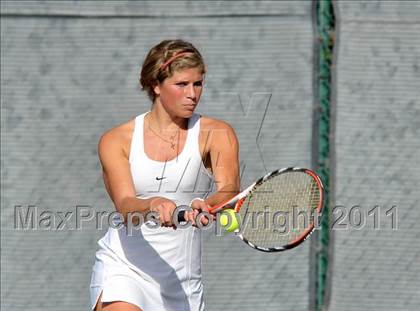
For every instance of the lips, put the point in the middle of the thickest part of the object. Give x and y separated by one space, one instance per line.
190 107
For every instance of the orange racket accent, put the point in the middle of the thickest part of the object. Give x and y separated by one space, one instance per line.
239 204
320 186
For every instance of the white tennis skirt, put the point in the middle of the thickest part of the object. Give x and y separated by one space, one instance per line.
118 282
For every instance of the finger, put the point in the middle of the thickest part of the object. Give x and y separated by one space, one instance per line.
156 213
186 216
167 217
196 213
204 220
191 217
204 207
161 216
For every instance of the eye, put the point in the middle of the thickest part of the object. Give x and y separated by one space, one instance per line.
198 83
182 83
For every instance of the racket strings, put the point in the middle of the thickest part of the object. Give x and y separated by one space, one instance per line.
280 209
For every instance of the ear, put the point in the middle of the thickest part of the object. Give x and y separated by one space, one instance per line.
156 89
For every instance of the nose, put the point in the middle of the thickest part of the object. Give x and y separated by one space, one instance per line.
190 92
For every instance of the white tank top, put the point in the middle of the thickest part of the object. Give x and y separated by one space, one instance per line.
167 258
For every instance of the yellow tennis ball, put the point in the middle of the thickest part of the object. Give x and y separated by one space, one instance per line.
229 216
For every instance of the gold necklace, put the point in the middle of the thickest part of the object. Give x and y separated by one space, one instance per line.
171 140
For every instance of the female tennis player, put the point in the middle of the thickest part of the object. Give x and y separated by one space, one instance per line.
161 159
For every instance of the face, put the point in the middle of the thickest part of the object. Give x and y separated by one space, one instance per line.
181 93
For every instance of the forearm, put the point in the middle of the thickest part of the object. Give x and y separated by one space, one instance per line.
225 193
132 206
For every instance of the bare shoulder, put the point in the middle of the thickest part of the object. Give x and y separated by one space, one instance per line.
215 124
117 138
220 130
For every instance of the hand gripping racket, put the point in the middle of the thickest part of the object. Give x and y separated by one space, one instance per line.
290 195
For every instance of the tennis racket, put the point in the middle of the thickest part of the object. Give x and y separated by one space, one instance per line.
281 195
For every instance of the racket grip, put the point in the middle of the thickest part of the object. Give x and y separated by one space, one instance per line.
181 216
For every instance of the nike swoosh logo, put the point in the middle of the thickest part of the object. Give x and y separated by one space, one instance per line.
160 178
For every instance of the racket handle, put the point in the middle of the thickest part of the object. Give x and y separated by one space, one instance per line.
181 213
181 216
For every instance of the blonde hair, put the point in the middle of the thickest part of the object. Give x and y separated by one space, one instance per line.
164 59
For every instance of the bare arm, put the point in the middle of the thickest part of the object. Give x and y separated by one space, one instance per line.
119 183
224 155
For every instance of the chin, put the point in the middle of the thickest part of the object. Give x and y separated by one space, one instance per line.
186 113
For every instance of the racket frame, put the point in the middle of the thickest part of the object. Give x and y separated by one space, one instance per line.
237 201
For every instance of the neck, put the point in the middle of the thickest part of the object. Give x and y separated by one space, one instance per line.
163 121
